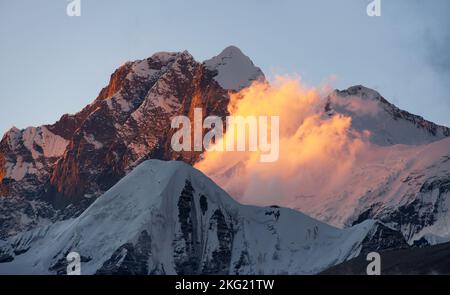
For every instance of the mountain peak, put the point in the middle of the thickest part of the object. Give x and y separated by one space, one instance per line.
231 49
363 92
387 123
234 69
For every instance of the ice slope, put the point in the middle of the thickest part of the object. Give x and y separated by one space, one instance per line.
407 187
167 218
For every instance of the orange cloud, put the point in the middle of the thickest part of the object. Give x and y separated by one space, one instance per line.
316 151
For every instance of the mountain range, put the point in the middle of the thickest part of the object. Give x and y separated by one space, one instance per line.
92 183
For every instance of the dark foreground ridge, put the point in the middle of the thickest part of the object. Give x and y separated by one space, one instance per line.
432 260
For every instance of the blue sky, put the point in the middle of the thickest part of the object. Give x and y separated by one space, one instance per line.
52 64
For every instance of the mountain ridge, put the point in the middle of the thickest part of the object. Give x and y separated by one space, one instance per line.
166 217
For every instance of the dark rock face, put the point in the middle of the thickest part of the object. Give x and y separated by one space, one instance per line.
383 238
130 259
367 214
243 261
420 212
190 245
5 257
413 261
221 257
203 204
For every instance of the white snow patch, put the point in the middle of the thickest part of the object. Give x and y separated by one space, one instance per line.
52 145
13 136
141 69
124 105
18 170
91 140
164 57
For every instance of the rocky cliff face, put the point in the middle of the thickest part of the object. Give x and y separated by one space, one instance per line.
132 123
70 163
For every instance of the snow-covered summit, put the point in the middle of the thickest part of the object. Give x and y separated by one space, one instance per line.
234 69
386 123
